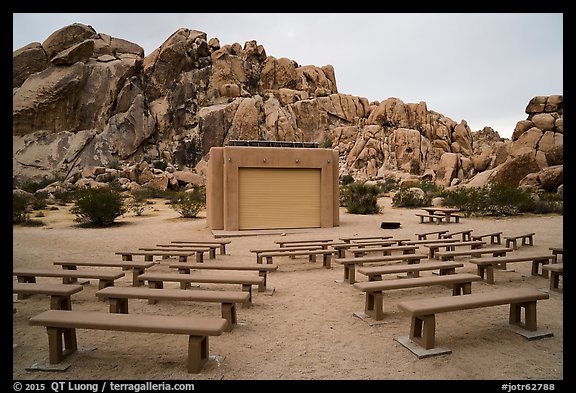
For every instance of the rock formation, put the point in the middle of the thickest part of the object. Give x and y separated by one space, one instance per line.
85 100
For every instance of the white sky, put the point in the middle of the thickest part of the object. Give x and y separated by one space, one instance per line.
480 67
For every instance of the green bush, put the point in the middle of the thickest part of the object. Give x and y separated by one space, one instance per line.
360 198
496 199
19 209
97 207
407 198
189 203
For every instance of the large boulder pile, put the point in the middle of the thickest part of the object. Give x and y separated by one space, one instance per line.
83 99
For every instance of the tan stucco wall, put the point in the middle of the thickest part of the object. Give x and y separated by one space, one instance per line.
222 179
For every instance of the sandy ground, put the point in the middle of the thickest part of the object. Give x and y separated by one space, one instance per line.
306 330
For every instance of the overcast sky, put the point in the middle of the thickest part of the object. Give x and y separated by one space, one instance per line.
480 67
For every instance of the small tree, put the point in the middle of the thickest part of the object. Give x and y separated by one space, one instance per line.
97 207
189 203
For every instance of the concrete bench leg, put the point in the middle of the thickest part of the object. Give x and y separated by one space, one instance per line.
229 314
60 302
312 258
269 260
536 268
423 330
374 305
103 283
513 242
444 272
197 353
212 253
61 343
327 261
248 288
555 281
136 282
350 273
530 322
262 287
462 289
120 306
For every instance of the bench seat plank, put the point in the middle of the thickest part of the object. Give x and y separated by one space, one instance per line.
61 326
451 246
349 264
495 251
60 294
156 280
556 270
119 296
385 250
375 272
477 300
106 278
527 239
127 255
137 267
423 311
262 269
182 247
326 255
460 283
221 243
486 265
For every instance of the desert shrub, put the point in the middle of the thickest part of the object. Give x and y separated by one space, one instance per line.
189 203
388 185
97 207
408 198
20 209
361 198
497 199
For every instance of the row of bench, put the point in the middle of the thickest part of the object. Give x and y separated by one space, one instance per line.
420 326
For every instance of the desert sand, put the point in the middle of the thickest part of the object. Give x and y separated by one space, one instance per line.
306 329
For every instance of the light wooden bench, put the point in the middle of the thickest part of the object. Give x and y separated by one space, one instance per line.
423 311
451 246
183 247
137 267
60 294
221 243
118 297
450 255
557 250
485 266
527 239
127 255
326 255
343 247
187 267
424 235
556 270
259 251
105 278
156 280
350 264
375 273
437 218
349 239
495 237
386 250
460 283
61 327
428 241
466 234
303 242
